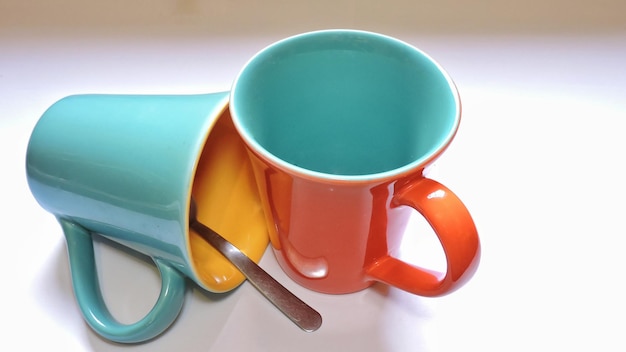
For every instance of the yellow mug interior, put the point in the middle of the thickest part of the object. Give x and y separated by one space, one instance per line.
228 202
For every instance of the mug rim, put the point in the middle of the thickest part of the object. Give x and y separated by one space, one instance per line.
394 173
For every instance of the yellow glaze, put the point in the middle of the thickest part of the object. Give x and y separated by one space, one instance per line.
228 202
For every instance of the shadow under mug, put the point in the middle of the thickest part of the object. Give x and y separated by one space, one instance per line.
125 167
340 126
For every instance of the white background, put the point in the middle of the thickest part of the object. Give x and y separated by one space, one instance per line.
538 160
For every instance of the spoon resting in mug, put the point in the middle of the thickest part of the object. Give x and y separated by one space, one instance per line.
307 318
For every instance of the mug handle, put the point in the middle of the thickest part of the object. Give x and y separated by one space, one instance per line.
453 225
89 296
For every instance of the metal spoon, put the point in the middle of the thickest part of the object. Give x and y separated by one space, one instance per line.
307 318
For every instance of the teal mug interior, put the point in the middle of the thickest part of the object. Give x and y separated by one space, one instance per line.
346 103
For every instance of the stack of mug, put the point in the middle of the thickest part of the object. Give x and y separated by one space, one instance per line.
320 149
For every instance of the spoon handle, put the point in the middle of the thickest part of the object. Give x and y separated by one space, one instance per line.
307 318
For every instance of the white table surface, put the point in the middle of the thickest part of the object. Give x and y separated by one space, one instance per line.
539 160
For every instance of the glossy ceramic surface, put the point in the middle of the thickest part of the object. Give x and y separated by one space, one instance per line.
340 126
228 202
125 167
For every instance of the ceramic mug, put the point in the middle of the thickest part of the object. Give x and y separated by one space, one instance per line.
125 167
340 126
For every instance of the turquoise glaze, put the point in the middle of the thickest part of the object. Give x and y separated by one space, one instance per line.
122 166
345 105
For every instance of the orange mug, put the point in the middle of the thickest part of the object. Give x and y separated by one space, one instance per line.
339 126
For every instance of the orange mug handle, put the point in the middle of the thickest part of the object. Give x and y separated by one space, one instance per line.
453 225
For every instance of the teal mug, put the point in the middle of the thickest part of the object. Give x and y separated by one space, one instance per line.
126 167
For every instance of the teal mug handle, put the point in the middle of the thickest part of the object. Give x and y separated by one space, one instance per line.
89 296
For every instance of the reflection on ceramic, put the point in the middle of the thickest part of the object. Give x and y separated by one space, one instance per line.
125 167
